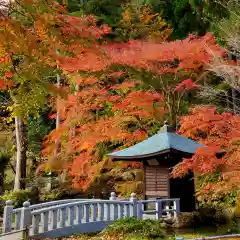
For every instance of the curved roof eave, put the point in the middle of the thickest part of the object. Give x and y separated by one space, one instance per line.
144 156
135 157
165 141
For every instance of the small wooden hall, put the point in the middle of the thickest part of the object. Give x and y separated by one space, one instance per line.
158 154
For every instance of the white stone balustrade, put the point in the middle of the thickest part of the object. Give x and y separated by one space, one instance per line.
67 217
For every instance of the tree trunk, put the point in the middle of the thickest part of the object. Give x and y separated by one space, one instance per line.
57 142
58 116
1 179
21 157
234 102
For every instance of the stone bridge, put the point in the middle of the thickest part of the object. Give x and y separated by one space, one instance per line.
72 216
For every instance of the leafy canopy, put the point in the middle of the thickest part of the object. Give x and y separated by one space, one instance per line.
108 108
220 132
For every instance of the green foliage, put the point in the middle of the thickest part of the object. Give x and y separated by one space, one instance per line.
60 188
18 197
228 28
215 11
218 201
147 229
107 11
158 6
214 199
141 22
184 16
187 18
74 5
51 196
5 157
31 95
227 32
38 128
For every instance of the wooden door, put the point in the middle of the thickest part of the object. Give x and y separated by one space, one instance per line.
156 182
184 189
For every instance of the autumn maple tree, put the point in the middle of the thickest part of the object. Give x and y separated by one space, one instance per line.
141 22
109 108
217 165
100 117
37 38
102 106
173 68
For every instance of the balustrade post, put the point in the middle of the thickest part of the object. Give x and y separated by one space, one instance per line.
94 212
45 221
25 215
158 209
101 211
168 210
121 211
112 206
36 223
140 210
108 211
113 196
87 212
176 205
7 217
53 224
71 216
63 217
79 213
133 199
17 220
127 210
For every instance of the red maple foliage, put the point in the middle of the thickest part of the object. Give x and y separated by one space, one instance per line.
176 67
220 133
46 37
180 56
106 113
100 113
51 38
186 85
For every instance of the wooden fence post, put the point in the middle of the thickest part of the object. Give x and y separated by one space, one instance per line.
7 217
133 199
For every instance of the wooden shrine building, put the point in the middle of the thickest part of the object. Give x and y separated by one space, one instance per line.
158 154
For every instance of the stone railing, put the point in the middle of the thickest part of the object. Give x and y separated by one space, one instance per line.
67 217
15 215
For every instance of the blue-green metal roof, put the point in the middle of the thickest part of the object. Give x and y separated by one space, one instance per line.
164 140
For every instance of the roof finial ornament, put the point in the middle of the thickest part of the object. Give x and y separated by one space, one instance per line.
166 122
166 127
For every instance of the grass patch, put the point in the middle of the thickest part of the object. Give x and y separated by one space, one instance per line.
134 229
127 229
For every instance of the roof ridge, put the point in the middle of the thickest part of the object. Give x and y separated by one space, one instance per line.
168 139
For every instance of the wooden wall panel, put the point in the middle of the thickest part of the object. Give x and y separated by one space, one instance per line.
156 182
